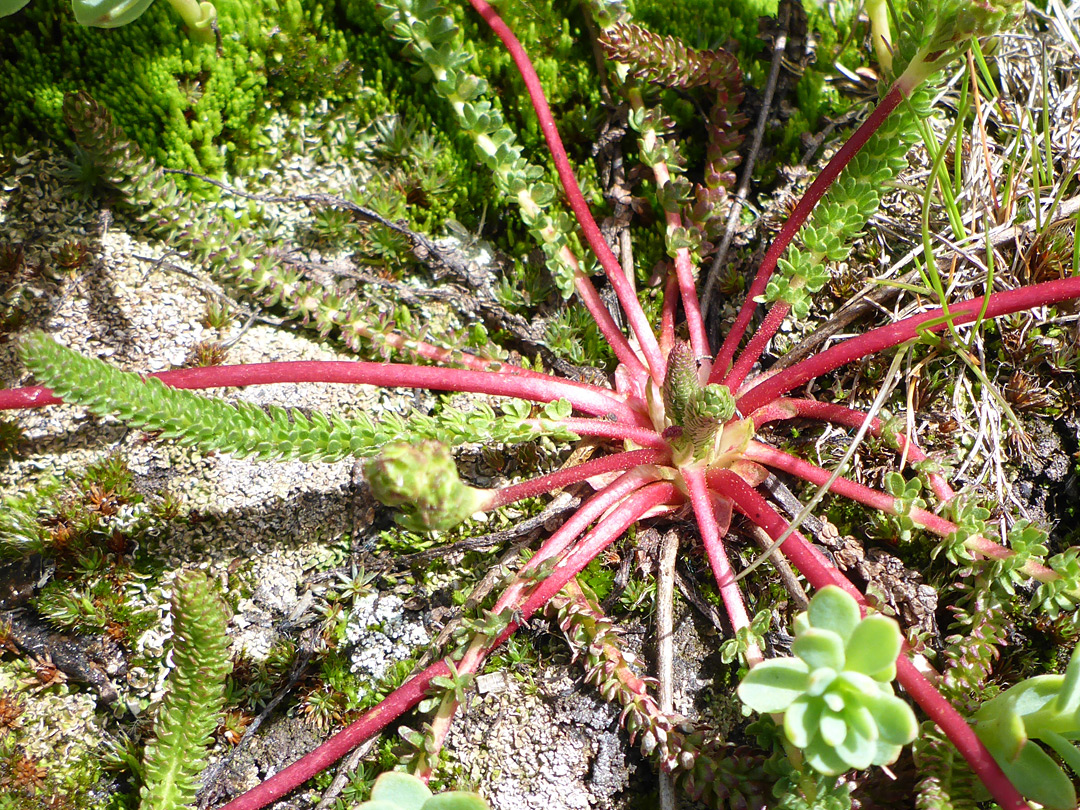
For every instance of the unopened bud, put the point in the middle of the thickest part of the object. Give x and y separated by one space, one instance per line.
422 480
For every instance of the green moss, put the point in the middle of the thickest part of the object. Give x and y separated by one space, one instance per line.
707 24
185 104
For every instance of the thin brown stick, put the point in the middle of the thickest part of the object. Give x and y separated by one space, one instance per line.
787 576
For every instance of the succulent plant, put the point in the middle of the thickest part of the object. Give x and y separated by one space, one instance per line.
836 694
1047 708
395 790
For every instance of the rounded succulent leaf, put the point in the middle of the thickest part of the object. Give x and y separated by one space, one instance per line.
108 13
894 718
834 609
820 648
885 753
833 728
402 791
823 758
846 715
858 749
771 686
802 719
456 800
861 720
873 646
11 6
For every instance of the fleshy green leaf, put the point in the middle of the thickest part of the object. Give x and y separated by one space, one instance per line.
108 13
885 753
1032 695
857 749
402 790
1001 731
833 727
895 720
11 6
1068 700
456 800
1063 748
820 648
823 758
833 609
874 645
1039 778
801 720
772 685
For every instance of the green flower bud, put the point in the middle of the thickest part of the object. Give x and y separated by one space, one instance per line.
680 383
422 480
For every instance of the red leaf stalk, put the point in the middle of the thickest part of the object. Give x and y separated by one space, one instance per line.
578 473
802 211
718 558
820 573
586 398
398 702
627 299
886 337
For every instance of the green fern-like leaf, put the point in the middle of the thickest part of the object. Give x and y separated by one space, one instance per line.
946 782
246 429
845 209
195 696
668 60
430 35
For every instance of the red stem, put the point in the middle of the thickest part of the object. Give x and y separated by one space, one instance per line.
849 417
398 702
608 328
412 692
587 398
885 337
860 493
756 347
718 558
984 546
609 529
627 298
618 462
802 211
820 573
591 510
609 430
667 314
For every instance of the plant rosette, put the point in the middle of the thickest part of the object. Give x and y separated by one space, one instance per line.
395 790
836 694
